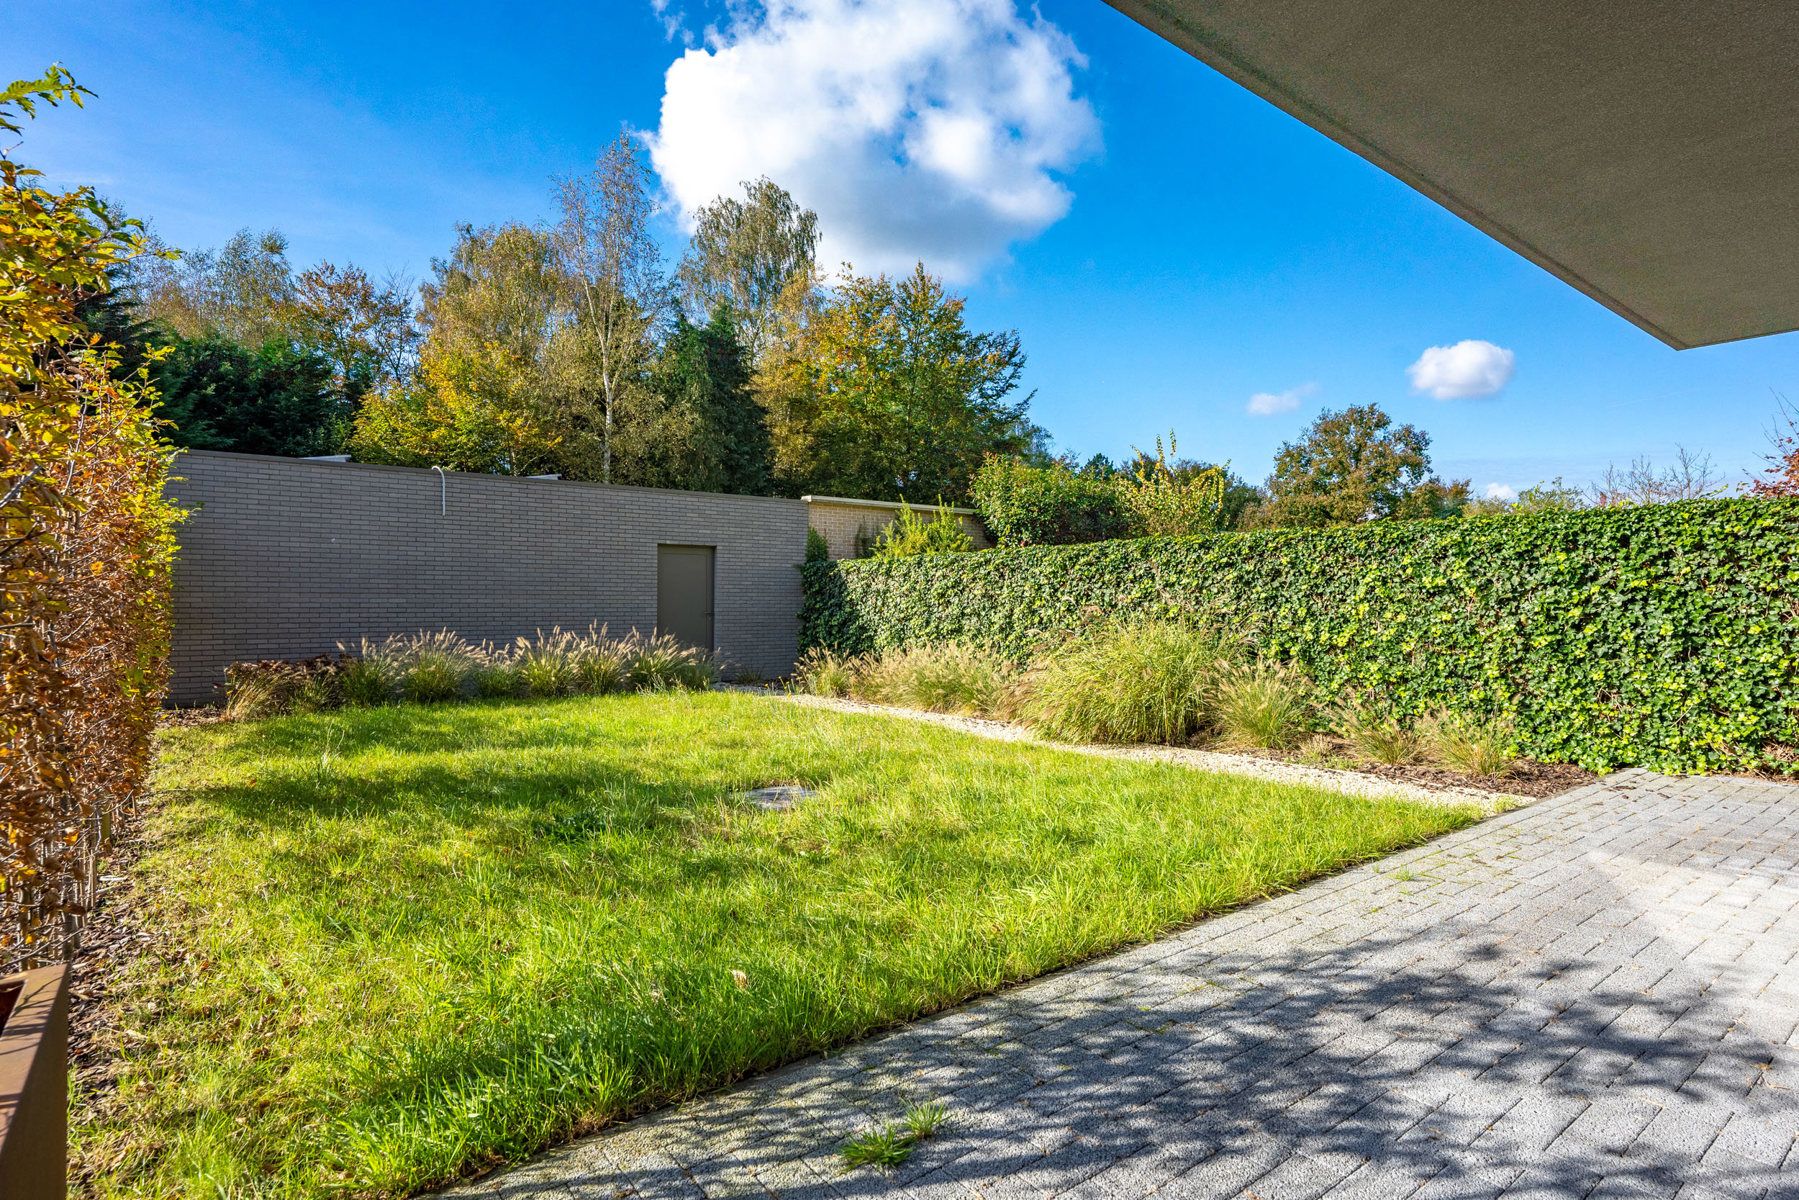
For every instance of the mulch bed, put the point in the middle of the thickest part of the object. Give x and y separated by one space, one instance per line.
1526 778
110 940
1532 779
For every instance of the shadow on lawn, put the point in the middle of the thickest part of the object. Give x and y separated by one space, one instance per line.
1403 1059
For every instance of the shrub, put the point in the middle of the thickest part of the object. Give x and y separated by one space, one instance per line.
950 678
86 540
909 534
817 549
1661 636
1261 705
1163 502
1377 737
1143 681
1460 742
1025 505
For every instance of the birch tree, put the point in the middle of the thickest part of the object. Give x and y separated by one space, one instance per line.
742 257
613 271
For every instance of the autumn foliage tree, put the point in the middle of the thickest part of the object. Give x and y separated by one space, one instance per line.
86 540
878 388
1781 478
483 396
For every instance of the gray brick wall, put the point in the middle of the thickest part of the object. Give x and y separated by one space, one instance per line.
282 558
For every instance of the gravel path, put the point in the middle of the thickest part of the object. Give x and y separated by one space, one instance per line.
1349 783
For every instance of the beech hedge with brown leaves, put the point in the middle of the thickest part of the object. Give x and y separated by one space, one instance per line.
86 542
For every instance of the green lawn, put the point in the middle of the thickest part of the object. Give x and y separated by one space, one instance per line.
419 940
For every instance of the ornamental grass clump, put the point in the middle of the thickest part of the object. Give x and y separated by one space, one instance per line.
1458 742
274 686
821 672
661 663
1261 705
368 676
1378 737
433 668
1146 681
546 665
949 678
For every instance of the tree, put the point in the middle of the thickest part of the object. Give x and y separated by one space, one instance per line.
699 426
239 320
275 400
608 261
1691 477
484 397
743 255
364 329
880 389
1781 478
1356 465
240 291
1549 496
460 412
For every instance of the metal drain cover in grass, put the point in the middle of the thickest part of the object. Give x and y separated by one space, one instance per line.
778 798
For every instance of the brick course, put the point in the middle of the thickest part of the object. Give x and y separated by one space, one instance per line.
285 558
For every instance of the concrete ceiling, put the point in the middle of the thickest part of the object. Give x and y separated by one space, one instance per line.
1644 151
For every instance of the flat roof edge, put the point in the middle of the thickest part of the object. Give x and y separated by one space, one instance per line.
1172 28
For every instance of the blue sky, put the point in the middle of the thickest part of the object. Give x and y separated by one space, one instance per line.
1167 245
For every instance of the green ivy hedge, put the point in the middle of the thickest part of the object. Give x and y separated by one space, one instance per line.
1663 636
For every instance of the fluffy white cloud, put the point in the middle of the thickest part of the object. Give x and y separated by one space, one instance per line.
1502 491
1468 368
1267 404
917 129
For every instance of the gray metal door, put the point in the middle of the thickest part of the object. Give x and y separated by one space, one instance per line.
684 593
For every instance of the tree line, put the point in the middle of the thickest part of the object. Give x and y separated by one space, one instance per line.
570 348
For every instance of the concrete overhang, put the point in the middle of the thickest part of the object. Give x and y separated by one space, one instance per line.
1644 151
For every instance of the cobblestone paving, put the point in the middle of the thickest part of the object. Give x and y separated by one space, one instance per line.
1596 995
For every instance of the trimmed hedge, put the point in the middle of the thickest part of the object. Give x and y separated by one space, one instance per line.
1664 636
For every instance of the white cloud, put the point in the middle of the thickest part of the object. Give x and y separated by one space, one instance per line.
1468 368
1502 491
674 22
1267 404
917 129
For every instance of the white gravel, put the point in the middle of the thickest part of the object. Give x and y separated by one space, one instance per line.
1349 783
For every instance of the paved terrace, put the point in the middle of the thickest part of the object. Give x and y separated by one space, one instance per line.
1595 995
